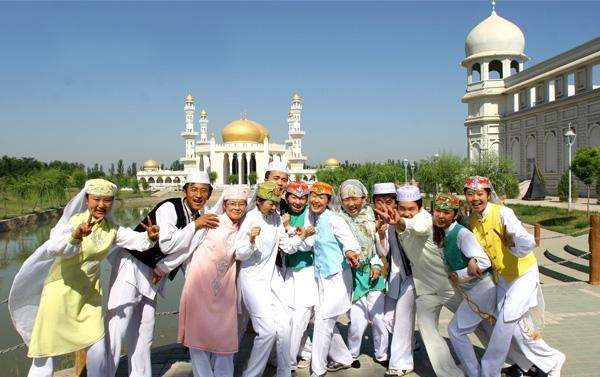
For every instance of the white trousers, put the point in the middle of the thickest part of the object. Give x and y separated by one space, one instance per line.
96 362
134 319
327 340
535 350
208 364
273 330
428 317
300 344
370 307
401 348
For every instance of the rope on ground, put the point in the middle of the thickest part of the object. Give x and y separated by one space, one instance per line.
168 313
565 260
13 348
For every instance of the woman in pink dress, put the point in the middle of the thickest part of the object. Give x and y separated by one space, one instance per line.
208 308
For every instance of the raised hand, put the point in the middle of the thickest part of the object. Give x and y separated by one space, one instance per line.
453 278
207 221
309 231
352 258
507 239
285 219
473 269
152 230
84 229
374 274
156 276
254 232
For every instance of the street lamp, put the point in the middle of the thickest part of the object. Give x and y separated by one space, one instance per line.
412 171
570 140
405 162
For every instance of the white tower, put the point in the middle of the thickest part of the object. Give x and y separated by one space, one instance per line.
295 135
189 160
494 49
203 127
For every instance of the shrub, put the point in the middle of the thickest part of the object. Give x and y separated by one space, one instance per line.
563 188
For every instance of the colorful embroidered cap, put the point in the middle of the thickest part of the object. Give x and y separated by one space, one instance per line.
322 188
100 187
297 188
384 188
447 202
268 191
408 193
477 182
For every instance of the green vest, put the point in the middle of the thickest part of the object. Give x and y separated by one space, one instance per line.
453 256
300 259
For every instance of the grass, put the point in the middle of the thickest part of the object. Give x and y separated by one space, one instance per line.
555 219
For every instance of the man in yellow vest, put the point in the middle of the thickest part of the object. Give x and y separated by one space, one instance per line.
520 302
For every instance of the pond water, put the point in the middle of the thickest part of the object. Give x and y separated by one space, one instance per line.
17 245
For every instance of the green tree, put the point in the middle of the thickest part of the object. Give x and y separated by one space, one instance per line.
120 167
499 171
232 179
176 165
111 171
212 176
446 172
586 167
252 178
21 189
563 188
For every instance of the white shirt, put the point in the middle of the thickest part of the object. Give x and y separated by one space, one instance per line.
524 242
468 245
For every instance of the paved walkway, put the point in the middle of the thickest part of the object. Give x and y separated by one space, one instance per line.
572 316
552 201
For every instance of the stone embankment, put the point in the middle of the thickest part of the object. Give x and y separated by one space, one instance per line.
32 218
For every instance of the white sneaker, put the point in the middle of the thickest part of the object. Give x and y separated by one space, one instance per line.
555 371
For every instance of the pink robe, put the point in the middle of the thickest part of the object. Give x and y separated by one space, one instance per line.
208 307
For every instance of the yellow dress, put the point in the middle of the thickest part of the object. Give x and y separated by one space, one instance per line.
70 315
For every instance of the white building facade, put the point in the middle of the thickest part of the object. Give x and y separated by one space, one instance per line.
241 156
522 113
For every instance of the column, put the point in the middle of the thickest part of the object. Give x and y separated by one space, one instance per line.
239 162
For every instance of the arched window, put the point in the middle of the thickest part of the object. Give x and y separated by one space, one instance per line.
530 153
176 180
515 155
168 180
594 138
550 153
159 180
151 180
476 72
475 152
514 67
495 69
142 180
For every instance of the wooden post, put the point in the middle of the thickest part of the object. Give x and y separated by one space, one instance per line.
537 234
594 245
80 360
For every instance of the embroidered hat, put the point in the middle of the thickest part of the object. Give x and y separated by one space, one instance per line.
477 182
297 188
235 192
197 176
278 166
100 187
384 188
321 188
352 188
446 202
408 193
268 191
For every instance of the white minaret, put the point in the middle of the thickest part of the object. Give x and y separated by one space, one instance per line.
494 49
189 160
203 127
295 135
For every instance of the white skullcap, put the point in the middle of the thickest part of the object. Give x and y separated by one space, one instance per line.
197 176
278 166
235 192
408 193
384 188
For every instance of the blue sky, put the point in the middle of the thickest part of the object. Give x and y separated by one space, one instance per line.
99 81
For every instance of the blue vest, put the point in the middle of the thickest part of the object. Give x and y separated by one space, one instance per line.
329 255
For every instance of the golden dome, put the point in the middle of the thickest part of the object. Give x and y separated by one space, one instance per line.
203 112
332 163
151 165
296 97
189 97
244 130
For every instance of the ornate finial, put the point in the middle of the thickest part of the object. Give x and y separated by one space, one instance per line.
493 6
244 114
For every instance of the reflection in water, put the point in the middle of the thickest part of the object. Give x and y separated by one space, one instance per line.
15 248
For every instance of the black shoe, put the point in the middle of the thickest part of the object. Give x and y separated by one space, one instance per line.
355 364
383 363
512 371
334 366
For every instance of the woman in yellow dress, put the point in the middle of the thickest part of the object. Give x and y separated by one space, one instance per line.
56 298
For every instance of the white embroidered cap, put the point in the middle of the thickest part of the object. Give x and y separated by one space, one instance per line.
408 193
198 176
384 188
278 166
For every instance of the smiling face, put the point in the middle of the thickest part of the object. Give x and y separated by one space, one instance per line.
353 205
477 199
99 206
318 203
278 177
443 218
408 209
383 201
235 208
196 195
296 203
267 207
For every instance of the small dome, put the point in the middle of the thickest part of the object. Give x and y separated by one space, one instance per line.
189 97
495 35
203 113
244 130
151 165
296 97
332 163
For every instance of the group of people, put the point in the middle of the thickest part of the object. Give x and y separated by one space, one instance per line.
277 257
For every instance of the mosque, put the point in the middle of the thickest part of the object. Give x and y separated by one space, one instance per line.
241 157
523 113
